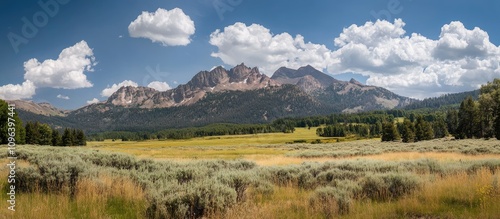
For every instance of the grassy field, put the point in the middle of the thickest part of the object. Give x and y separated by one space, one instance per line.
214 147
275 148
258 176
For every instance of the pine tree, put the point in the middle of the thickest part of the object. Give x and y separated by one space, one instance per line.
73 139
423 129
20 134
497 127
486 105
489 104
80 138
389 132
429 131
412 117
67 137
407 130
56 138
45 133
468 121
32 133
440 129
376 129
452 121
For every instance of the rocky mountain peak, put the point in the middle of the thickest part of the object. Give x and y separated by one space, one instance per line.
209 78
218 79
354 81
131 96
307 68
241 72
306 77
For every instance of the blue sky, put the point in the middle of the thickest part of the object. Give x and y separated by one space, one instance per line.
425 48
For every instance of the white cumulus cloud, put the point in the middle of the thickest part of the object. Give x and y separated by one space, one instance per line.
67 71
113 88
95 100
169 27
257 46
60 96
457 42
413 65
159 86
380 48
410 64
18 91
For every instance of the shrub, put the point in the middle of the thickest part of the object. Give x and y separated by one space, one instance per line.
201 198
186 175
306 181
282 175
492 165
374 187
331 201
263 187
51 176
388 186
239 181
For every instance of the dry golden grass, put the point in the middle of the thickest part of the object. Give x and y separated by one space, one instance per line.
101 197
285 202
279 160
457 196
440 156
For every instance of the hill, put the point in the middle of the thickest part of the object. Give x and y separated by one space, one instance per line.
444 100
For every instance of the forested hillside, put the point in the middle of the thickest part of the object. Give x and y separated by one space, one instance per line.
444 100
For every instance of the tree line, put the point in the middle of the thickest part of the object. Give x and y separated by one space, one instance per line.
343 130
38 133
279 125
41 134
473 119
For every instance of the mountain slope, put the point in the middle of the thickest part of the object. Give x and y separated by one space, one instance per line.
447 99
38 108
218 79
340 96
238 95
252 106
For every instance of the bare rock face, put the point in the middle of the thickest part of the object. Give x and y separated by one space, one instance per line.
131 96
354 81
219 79
38 108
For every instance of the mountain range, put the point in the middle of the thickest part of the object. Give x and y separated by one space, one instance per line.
237 95
316 84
